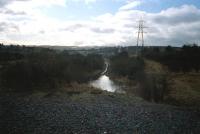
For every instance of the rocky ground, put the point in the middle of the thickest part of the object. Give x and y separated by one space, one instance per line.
87 113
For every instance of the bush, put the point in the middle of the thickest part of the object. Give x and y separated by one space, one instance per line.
154 87
123 65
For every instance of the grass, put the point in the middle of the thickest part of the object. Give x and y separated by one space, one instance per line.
154 67
184 89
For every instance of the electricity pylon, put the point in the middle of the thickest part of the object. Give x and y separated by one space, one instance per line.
140 34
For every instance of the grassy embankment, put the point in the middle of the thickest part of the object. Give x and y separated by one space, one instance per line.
183 89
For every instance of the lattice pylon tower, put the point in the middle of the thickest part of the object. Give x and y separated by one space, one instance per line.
140 34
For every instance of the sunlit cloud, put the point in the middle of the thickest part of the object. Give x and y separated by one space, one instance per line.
30 25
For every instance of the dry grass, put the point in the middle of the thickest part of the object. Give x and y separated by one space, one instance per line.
184 89
154 67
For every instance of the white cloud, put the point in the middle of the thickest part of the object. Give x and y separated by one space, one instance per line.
173 26
131 5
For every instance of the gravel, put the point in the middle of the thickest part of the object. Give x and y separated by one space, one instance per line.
92 114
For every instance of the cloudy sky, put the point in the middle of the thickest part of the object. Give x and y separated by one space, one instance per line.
99 22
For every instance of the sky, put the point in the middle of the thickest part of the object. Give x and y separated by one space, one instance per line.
99 22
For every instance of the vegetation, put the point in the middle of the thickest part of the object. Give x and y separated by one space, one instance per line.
124 65
161 74
152 82
183 59
184 89
154 86
181 81
28 68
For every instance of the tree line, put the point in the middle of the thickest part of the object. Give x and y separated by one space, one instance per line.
184 59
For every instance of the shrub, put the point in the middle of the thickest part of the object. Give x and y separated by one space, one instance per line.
153 87
123 65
